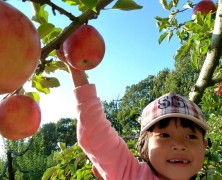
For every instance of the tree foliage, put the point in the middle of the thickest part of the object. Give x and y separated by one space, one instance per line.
40 153
197 73
66 131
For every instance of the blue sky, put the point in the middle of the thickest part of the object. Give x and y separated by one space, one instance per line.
132 54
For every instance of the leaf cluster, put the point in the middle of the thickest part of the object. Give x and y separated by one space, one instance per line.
194 34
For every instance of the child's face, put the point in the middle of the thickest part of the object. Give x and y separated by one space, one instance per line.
175 152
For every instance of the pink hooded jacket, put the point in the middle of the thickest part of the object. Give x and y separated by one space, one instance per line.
101 143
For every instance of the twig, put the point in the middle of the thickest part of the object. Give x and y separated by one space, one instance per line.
55 7
83 18
77 21
23 152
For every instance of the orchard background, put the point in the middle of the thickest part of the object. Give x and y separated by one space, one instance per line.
53 152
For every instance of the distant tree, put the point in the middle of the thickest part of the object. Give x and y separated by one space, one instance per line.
66 131
24 160
137 96
159 80
111 110
183 77
49 135
136 92
134 99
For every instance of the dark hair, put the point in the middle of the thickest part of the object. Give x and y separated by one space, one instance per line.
185 123
142 143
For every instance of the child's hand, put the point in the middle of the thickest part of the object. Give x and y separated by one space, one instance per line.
79 77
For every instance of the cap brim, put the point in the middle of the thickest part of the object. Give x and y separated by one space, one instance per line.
189 117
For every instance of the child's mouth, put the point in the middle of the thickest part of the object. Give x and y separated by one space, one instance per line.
177 161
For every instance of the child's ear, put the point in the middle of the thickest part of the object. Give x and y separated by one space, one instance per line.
205 143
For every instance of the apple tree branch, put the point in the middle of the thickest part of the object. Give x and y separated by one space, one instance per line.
76 22
212 59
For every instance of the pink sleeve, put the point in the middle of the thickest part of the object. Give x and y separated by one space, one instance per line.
100 141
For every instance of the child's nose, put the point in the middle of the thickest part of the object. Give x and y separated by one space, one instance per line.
178 144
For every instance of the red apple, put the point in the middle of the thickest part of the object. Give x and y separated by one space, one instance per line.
20 117
20 48
219 90
85 48
205 6
96 173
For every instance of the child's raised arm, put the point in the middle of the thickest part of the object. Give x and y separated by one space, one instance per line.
108 152
79 77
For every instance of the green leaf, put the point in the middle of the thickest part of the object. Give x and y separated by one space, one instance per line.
42 83
72 2
163 23
33 95
143 102
181 35
78 159
49 172
45 29
172 15
72 168
166 5
207 20
52 35
90 4
67 151
50 82
175 3
39 14
126 5
204 49
191 27
182 50
170 35
55 65
133 112
161 19
162 37
199 18
62 146
57 156
194 60
39 87
83 5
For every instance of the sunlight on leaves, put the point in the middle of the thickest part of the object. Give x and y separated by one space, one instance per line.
42 83
40 15
34 95
90 4
162 37
45 29
56 65
126 5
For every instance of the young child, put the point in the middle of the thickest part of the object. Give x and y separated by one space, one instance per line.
172 140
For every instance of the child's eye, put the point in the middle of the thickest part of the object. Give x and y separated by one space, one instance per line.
164 135
192 136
